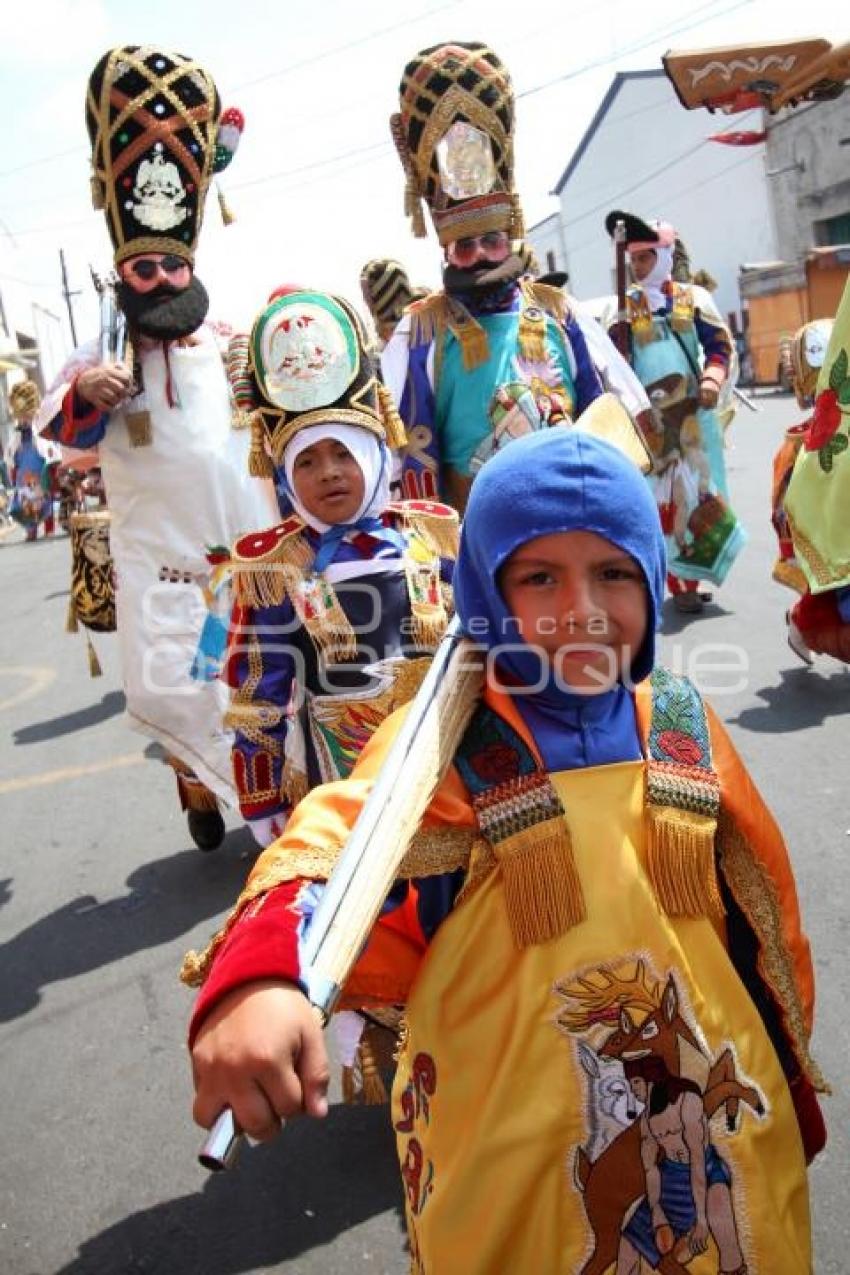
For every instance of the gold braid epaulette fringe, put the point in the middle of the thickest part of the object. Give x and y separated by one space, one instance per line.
432 852
267 579
755 893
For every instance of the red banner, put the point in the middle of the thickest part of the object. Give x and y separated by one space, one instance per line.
738 139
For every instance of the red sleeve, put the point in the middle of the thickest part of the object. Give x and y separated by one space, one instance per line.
264 944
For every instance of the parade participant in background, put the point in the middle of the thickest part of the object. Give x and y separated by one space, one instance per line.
32 464
683 354
175 470
807 353
339 607
492 335
623 899
387 292
817 503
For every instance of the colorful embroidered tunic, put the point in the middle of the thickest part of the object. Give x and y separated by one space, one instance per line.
512 1082
689 480
32 502
302 719
457 407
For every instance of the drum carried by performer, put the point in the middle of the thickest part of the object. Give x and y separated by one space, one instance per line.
92 601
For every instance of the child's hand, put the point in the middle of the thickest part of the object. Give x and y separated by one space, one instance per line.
262 1053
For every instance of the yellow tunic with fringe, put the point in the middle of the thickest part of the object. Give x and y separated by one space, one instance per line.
537 1168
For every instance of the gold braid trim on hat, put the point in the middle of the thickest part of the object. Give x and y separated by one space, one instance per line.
432 852
755 893
200 120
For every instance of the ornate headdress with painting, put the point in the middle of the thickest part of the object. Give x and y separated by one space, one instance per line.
158 138
454 136
24 401
808 351
305 362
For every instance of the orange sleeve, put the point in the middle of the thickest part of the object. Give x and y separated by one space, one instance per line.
743 801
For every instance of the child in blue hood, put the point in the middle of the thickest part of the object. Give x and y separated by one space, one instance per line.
597 903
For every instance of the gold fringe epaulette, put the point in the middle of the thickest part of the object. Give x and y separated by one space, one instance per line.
438 313
429 318
432 852
436 524
263 563
683 804
552 300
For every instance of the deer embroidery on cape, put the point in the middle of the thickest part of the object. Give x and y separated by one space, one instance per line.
656 1190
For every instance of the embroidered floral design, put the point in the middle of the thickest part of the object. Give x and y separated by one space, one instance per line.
679 731
680 747
497 763
830 405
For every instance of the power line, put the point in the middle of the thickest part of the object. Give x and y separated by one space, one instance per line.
346 155
262 79
661 33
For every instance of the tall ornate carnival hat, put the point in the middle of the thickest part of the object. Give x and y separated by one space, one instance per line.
454 136
305 362
24 401
387 290
158 138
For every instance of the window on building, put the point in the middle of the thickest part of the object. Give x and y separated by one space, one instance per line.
833 230
551 263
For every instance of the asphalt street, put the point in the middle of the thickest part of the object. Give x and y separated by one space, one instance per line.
102 891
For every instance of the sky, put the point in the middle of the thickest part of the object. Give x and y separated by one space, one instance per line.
316 186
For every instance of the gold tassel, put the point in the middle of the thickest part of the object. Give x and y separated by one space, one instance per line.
348 1084
439 531
259 461
139 428
532 334
680 861
94 663
472 338
542 887
413 208
224 208
429 624
374 1090
293 784
552 300
517 230
327 625
196 966
71 624
393 424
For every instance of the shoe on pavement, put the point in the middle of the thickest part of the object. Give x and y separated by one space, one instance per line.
797 642
206 828
688 603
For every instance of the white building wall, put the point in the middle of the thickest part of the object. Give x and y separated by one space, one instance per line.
546 238
808 155
649 156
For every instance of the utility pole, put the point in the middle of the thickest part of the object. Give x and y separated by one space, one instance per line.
67 295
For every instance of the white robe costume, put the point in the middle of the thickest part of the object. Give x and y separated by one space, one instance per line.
187 490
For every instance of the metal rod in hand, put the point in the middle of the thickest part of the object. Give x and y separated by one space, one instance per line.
222 1143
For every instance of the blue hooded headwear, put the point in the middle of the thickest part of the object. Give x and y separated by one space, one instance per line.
551 481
